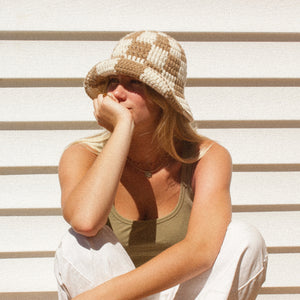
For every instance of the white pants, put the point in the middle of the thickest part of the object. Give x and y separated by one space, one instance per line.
82 263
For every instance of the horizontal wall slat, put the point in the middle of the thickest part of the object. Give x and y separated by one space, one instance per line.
27 275
42 233
277 297
73 59
29 296
213 15
36 274
49 103
282 268
37 148
42 191
34 234
29 191
244 103
275 227
207 103
265 188
247 146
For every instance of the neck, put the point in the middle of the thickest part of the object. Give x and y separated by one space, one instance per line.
144 150
148 160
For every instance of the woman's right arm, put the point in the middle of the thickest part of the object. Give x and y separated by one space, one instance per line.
89 182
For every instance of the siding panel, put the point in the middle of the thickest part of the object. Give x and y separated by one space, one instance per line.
73 59
190 16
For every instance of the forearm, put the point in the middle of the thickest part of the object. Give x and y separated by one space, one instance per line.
89 204
171 267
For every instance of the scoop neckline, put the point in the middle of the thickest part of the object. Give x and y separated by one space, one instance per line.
161 219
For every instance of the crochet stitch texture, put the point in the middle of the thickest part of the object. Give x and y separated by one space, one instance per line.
152 57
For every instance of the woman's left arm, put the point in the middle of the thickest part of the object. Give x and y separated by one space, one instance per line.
196 253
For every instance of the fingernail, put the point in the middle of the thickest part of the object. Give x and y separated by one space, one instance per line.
111 97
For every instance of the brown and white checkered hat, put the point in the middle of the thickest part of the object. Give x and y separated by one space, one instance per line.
154 58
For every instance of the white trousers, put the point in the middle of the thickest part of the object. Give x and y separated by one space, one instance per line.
82 263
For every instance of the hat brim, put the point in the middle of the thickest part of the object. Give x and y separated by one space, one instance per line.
96 81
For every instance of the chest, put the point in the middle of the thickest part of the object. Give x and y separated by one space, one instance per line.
141 198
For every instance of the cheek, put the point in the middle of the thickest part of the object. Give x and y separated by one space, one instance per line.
145 107
156 111
154 108
146 112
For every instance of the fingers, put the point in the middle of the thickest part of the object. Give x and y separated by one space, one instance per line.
100 99
104 108
110 96
97 102
96 107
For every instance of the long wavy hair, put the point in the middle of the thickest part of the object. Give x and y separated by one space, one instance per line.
174 134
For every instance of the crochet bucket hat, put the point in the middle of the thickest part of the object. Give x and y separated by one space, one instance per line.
153 58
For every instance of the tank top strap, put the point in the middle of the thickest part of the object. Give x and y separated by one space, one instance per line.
186 176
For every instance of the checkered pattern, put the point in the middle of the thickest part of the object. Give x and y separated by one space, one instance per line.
151 57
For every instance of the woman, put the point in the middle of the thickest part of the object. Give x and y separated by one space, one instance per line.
150 185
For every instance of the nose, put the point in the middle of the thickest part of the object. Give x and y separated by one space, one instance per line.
120 93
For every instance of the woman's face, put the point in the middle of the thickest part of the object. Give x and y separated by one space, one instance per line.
132 94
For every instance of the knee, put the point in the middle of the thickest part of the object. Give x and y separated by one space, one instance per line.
251 259
72 242
91 260
247 237
72 252
101 250
76 248
250 245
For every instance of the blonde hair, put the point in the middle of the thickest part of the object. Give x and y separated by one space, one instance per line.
174 134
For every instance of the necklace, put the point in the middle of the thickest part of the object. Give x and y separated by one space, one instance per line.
148 172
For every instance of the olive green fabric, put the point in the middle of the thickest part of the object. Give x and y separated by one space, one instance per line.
147 238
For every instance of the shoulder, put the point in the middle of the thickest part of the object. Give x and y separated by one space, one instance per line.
216 165
76 156
214 153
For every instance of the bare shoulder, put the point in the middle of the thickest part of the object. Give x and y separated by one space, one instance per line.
75 158
215 164
74 164
77 153
215 152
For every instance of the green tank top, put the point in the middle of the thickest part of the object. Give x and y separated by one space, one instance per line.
145 239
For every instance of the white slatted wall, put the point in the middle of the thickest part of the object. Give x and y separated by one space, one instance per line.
244 89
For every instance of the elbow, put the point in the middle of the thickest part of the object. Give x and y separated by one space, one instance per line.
86 228
209 261
85 225
204 262
203 258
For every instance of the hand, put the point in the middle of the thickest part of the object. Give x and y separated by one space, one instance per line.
108 112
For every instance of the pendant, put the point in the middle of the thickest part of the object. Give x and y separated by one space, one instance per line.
148 174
